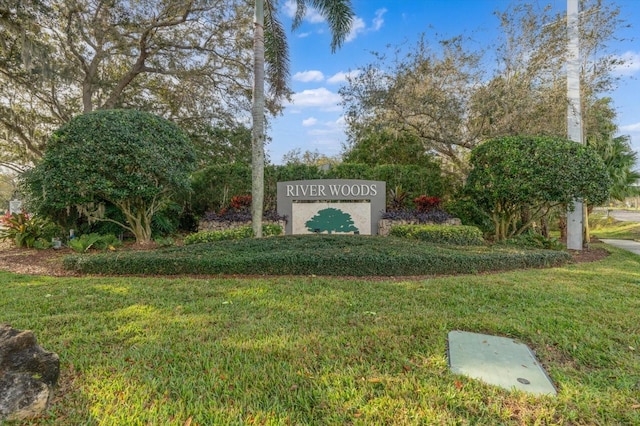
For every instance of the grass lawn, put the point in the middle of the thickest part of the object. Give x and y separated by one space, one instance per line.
315 350
603 227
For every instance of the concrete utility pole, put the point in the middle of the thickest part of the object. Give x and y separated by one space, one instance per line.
575 218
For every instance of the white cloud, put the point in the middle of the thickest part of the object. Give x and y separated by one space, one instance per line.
307 76
630 65
341 77
357 26
320 98
378 21
329 128
311 121
290 8
635 127
311 14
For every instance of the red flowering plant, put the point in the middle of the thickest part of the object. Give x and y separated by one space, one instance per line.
241 203
238 210
426 204
23 229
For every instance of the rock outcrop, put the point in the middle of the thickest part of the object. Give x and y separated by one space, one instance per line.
28 374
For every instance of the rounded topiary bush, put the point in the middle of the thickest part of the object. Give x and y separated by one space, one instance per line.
131 159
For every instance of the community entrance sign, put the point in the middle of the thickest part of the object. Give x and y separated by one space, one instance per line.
334 206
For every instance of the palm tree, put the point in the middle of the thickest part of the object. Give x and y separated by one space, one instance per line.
270 46
620 160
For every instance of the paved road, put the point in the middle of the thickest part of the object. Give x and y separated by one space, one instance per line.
632 246
623 215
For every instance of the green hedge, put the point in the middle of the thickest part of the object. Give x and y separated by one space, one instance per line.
231 234
440 234
338 255
214 186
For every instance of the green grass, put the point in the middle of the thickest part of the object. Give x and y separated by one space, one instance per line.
331 351
602 227
343 255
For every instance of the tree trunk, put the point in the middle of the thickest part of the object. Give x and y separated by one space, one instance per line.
562 224
544 226
257 112
587 231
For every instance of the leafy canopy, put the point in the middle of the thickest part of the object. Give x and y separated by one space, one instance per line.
132 159
512 174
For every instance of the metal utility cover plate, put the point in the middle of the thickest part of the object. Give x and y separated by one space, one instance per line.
498 361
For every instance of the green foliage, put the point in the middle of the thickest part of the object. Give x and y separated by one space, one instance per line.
440 234
214 186
535 240
85 242
26 230
215 145
134 160
379 147
164 241
512 175
620 161
345 255
467 210
231 234
397 198
610 228
311 158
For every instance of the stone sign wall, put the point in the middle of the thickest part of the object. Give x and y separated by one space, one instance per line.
341 206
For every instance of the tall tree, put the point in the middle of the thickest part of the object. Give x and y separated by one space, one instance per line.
271 45
423 93
185 61
382 146
619 157
309 158
620 161
133 160
440 91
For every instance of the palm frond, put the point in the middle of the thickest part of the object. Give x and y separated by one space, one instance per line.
276 53
339 15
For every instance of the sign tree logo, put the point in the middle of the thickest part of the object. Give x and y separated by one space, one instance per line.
331 220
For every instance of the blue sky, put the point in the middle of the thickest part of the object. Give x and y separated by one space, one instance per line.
313 120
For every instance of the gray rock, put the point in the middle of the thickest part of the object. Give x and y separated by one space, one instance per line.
28 374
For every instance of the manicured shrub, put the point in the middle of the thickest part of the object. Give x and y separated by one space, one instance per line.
438 234
133 160
338 255
240 216
510 175
432 216
231 234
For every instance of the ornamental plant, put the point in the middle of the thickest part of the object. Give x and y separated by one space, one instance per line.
535 174
23 229
425 204
133 160
241 202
